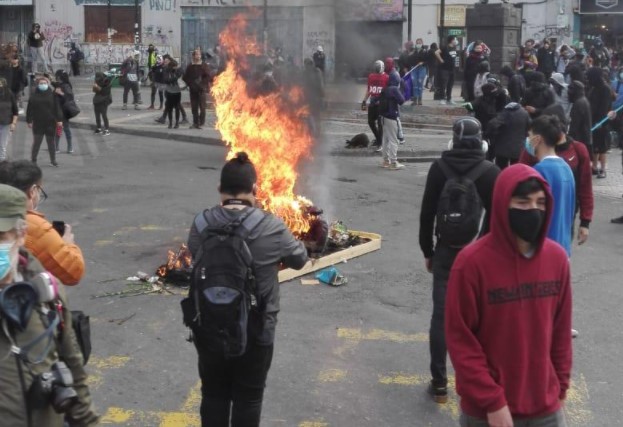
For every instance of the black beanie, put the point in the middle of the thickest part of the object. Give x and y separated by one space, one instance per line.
238 175
466 133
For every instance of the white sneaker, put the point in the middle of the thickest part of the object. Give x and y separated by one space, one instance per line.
396 166
442 102
20 112
378 150
385 164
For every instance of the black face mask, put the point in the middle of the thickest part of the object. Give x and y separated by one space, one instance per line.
526 223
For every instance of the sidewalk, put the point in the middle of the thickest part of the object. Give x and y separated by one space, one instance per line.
424 126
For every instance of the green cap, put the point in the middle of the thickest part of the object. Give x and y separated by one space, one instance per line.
12 207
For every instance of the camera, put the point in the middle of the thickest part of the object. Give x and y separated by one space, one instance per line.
56 387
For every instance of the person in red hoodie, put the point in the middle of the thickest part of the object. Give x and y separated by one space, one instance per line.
508 312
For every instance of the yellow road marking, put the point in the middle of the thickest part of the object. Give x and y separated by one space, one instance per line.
380 335
193 400
117 416
313 424
108 362
103 242
402 379
576 407
332 375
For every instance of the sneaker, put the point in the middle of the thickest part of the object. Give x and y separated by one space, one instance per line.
443 102
595 172
20 112
151 107
618 220
401 141
396 166
574 333
70 151
161 121
125 107
385 164
177 126
136 107
106 132
439 394
184 121
98 131
54 164
378 149
58 150
451 102
601 174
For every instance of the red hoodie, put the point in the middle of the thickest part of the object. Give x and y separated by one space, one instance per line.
508 317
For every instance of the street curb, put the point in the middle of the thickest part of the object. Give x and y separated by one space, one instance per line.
404 156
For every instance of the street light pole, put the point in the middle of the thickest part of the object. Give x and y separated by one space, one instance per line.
109 31
442 19
409 20
137 31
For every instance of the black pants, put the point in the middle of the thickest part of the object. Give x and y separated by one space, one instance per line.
133 86
75 68
442 263
375 123
173 101
446 82
232 389
155 89
504 162
50 136
101 112
198 106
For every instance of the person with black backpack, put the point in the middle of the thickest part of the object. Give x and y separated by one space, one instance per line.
234 296
455 210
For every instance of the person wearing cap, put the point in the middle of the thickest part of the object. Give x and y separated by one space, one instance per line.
233 388
44 116
465 156
19 371
130 70
377 80
157 82
561 95
58 253
35 42
8 117
320 59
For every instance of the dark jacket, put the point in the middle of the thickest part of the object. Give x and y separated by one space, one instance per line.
64 347
538 95
581 121
547 60
44 111
394 95
19 79
462 161
271 245
8 106
172 74
67 96
157 74
471 70
34 42
516 84
508 131
198 77
102 88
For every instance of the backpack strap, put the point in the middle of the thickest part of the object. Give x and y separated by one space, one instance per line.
478 170
249 223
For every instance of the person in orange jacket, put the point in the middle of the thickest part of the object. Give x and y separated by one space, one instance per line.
58 253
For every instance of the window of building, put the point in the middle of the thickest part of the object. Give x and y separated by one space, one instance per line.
121 18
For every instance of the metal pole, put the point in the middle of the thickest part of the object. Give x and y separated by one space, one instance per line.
265 35
442 22
409 20
137 31
109 7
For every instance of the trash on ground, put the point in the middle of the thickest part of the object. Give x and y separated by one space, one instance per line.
331 276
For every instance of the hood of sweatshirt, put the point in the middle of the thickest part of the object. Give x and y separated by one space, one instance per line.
462 160
394 79
502 193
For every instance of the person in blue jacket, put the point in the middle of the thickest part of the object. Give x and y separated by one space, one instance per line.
388 109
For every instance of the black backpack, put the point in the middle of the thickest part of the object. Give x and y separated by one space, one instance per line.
222 287
460 212
383 102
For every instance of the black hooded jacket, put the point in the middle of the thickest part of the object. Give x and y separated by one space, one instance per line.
516 84
462 161
508 131
580 116
538 95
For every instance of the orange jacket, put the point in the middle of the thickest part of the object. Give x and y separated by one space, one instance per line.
63 260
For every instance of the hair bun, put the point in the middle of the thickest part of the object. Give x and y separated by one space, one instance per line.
242 157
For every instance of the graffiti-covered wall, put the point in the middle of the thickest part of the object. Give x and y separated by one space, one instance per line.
63 22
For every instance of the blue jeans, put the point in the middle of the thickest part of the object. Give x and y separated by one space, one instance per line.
67 131
417 78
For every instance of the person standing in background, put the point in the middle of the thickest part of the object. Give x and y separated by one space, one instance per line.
320 60
447 57
8 117
74 56
198 78
44 116
419 73
19 81
35 41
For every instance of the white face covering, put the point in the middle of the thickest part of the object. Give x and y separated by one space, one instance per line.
484 146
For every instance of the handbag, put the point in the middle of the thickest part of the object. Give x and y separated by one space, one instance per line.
70 109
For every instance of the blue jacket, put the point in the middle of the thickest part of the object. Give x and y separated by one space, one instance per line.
392 91
558 175
617 86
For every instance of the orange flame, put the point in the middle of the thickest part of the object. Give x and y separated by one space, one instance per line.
270 128
180 260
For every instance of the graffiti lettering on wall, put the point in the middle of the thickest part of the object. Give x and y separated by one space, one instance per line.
112 2
313 39
165 5
58 36
213 2
563 35
99 53
156 34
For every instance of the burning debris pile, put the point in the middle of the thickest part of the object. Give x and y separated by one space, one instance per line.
178 268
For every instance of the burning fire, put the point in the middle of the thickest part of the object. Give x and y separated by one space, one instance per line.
271 128
176 261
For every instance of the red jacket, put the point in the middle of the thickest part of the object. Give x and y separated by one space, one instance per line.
576 155
508 317
376 83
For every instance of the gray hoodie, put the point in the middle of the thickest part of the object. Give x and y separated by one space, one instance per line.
271 244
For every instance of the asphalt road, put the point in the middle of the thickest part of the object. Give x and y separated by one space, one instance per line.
350 356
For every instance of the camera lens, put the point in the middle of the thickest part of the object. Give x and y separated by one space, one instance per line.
63 398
